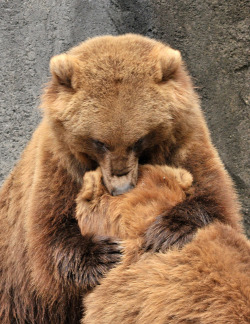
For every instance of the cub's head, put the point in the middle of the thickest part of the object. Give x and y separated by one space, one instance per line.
117 102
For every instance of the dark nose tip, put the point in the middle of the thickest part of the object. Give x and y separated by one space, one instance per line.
121 190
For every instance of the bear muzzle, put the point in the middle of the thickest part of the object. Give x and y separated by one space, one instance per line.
120 172
120 184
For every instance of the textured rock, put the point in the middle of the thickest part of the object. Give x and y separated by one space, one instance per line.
212 35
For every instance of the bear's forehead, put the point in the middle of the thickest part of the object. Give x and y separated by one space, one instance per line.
120 130
124 131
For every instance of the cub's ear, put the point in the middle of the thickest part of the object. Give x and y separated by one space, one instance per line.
183 177
62 68
170 60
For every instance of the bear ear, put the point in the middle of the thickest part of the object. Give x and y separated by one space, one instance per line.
62 68
170 61
184 178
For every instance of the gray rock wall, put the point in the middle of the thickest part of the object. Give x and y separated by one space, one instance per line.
212 35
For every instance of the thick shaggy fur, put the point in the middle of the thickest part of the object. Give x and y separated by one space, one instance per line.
113 102
158 190
206 282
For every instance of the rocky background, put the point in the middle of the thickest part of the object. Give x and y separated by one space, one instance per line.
212 35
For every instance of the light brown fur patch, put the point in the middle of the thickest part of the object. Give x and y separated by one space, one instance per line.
204 283
128 216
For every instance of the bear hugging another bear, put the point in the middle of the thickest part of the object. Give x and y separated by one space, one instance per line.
128 216
114 102
206 282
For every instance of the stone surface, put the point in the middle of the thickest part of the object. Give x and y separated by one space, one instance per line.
212 35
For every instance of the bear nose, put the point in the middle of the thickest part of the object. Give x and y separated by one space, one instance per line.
122 189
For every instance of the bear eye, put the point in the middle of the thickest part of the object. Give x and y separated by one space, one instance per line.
138 145
100 145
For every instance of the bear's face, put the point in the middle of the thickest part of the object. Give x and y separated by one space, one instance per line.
115 133
116 99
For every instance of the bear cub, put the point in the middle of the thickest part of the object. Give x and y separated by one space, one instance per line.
128 216
207 281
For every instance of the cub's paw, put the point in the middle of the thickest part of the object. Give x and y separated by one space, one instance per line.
92 185
103 254
175 228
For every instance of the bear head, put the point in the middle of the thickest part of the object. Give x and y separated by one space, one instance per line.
120 101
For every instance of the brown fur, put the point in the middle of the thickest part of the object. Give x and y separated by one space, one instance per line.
98 92
128 216
206 282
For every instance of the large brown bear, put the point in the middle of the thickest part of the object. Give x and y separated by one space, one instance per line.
206 282
113 102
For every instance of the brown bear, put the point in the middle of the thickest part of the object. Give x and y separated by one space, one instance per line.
206 282
115 102
127 216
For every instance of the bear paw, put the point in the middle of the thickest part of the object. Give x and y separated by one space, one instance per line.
176 227
92 185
